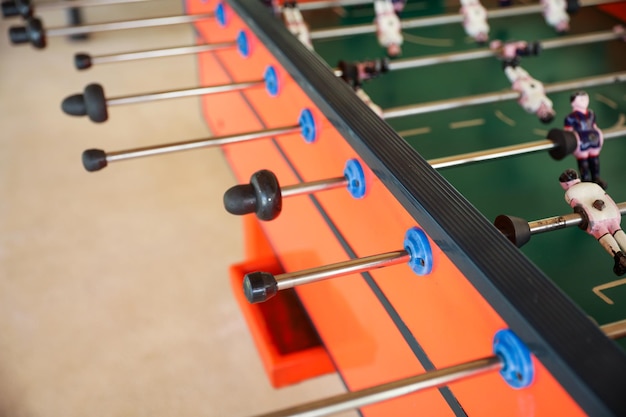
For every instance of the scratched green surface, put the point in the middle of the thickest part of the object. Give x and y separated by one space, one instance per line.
526 186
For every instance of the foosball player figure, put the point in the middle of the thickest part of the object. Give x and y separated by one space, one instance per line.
475 20
620 31
600 216
398 6
510 52
295 23
582 122
532 94
367 100
388 27
555 14
356 73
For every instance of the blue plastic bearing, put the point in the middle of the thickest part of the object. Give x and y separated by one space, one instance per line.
220 14
356 178
307 126
517 370
271 81
243 46
417 245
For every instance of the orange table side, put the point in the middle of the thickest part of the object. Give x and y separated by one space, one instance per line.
443 311
616 9
289 347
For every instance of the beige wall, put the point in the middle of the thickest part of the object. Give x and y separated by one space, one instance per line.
114 299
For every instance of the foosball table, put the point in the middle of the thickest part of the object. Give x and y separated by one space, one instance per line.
371 249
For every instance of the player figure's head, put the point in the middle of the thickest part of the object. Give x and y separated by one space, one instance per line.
394 50
545 113
481 38
568 178
562 26
398 6
579 101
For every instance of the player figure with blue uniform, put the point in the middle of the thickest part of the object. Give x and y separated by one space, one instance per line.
582 122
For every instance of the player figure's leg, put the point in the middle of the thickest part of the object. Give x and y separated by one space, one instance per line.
593 163
610 244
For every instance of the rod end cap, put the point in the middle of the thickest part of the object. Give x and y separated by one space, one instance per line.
32 33
9 9
516 229
565 143
259 286
74 105
96 103
94 159
82 61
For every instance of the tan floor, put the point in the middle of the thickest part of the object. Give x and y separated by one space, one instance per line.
114 298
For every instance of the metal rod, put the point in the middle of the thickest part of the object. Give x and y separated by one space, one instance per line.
158 53
503 152
129 24
163 95
439 59
615 330
317 5
199 143
437 20
434 106
603 36
486 52
337 182
561 222
313 186
431 379
361 398
353 266
66 4
508 151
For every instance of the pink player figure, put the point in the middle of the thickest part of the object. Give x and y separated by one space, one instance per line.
582 122
532 94
398 6
510 52
388 27
619 30
367 100
295 23
475 20
555 14
601 216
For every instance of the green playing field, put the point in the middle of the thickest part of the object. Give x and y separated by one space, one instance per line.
526 186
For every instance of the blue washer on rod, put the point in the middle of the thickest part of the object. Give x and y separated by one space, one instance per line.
307 124
272 85
220 14
517 370
417 245
243 46
356 178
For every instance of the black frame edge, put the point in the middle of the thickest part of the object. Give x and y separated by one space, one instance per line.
586 363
